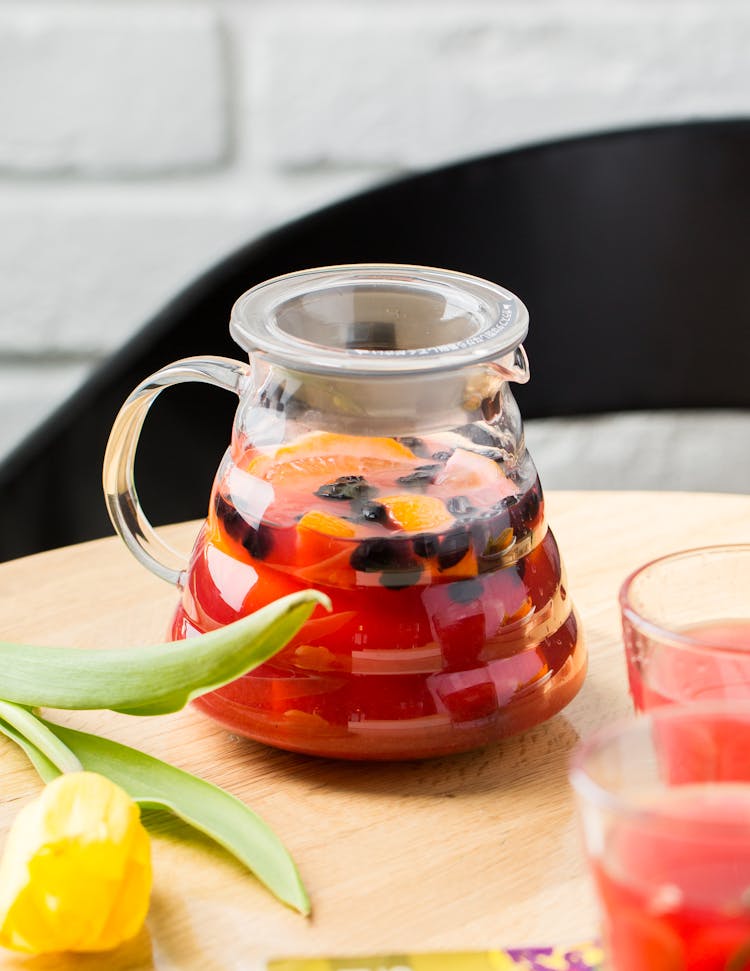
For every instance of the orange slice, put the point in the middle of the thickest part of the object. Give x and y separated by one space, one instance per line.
417 513
465 569
320 457
324 522
331 443
324 542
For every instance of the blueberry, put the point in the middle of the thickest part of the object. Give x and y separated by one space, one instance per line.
425 545
390 558
453 548
370 511
420 477
257 542
233 523
345 487
373 555
459 506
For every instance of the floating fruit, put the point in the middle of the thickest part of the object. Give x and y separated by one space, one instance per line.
417 513
422 476
426 545
321 458
466 472
324 541
256 540
453 548
459 506
323 522
390 558
369 511
344 488
331 443
440 572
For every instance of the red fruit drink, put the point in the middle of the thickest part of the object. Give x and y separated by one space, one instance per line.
675 888
710 661
451 625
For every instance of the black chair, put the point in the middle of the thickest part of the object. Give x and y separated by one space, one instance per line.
629 248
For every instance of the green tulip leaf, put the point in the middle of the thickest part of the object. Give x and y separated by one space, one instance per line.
152 680
42 763
154 784
35 738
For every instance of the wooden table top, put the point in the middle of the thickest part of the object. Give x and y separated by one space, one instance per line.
474 851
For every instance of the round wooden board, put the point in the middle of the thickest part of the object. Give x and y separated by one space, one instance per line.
469 852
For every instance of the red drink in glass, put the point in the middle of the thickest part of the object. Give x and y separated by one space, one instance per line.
665 805
717 667
686 626
676 895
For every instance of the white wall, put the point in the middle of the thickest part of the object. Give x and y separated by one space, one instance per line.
140 141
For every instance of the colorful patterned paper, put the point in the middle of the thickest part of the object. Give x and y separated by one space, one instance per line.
585 957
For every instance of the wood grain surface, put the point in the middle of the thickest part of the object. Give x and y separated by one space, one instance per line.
474 851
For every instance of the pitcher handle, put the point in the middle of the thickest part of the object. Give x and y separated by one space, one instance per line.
119 460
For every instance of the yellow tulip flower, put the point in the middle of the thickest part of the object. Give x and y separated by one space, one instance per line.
76 870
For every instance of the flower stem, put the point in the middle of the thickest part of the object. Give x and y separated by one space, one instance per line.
37 733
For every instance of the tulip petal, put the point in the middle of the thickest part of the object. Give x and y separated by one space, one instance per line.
69 856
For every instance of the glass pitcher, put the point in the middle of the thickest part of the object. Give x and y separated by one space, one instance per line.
377 454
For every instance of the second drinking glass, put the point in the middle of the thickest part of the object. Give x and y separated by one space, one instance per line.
665 804
686 624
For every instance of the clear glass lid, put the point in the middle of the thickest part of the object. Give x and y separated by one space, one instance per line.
376 318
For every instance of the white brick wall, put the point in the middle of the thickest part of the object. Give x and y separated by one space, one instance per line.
453 83
98 90
140 140
74 266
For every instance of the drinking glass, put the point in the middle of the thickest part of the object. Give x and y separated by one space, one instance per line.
665 805
686 624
